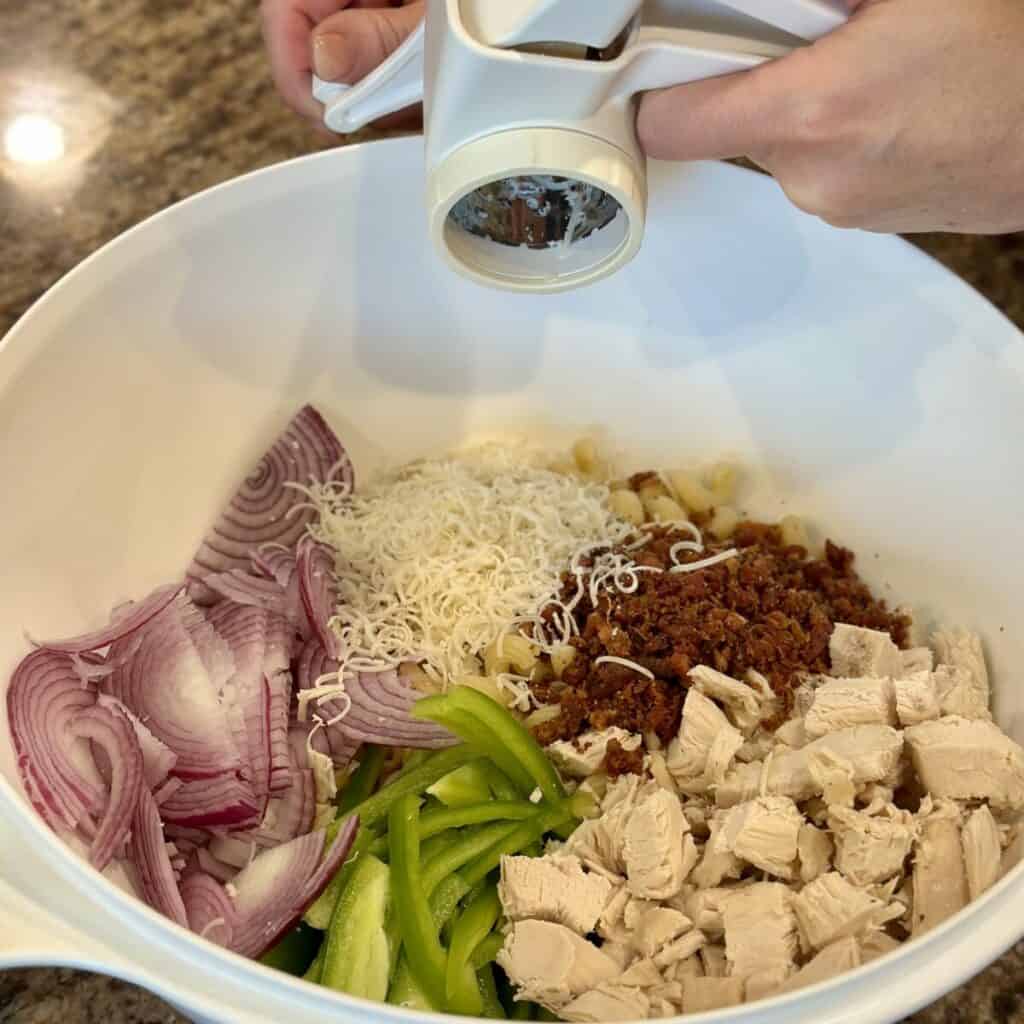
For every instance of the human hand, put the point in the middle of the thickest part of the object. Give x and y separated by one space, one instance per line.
909 118
341 40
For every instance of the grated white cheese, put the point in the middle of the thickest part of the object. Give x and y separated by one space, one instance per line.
436 560
611 659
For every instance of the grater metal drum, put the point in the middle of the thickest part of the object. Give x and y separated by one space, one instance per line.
535 178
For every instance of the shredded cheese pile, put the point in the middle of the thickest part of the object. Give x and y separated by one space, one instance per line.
438 559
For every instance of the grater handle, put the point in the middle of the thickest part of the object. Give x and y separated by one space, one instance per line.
393 86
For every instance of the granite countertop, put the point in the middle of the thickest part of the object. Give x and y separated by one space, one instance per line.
162 98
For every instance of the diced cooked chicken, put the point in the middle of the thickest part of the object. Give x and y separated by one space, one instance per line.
611 926
961 649
680 949
707 742
704 907
917 659
876 944
968 759
830 908
765 982
621 952
959 693
833 777
553 888
842 955
642 973
701 995
875 797
598 842
691 967
657 849
713 960
871 848
982 851
550 964
760 929
857 652
717 861
917 700
742 702
657 928
763 832
757 747
582 757
792 733
814 852
940 878
844 703
607 1002
743 782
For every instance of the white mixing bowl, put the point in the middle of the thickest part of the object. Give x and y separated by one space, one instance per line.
876 394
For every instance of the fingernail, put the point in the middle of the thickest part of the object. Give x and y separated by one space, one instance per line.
331 57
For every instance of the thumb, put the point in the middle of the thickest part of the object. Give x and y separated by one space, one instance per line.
718 118
348 45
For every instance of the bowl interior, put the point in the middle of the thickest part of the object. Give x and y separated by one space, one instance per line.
863 386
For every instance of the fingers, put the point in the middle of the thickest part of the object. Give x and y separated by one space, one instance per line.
348 45
719 118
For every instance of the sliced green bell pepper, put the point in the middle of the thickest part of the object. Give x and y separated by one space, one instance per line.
471 927
463 787
363 781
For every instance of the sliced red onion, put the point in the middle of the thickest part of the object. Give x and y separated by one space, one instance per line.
246 588
274 561
210 865
379 713
167 790
44 697
148 852
319 592
267 508
277 888
111 730
168 686
221 802
280 685
133 618
209 908
233 850
159 760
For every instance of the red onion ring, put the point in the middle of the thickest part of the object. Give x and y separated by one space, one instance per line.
148 852
265 508
319 592
133 618
209 909
224 801
158 759
44 696
168 686
111 730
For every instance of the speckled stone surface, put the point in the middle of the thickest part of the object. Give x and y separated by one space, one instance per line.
162 98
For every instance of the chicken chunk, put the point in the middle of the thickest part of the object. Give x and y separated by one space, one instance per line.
961 649
940 878
792 733
760 929
550 964
917 659
657 928
830 908
702 995
705 747
713 960
871 848
598 842
680 949
966 759
657 850
837 958
763 832
607 1002
718 861
917 699
553 888
857 652
582 757
765 982
959 693
833 777
982 851
743 703
814 852
844 703
704 907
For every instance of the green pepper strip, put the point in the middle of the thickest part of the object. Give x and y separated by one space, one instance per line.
487 950
492 1007
427 959
501 785
363 781
469 727
440 819
464 851
320 913
512 741
415 781
514 841
472 926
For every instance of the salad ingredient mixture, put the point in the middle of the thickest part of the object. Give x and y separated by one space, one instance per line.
503 737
